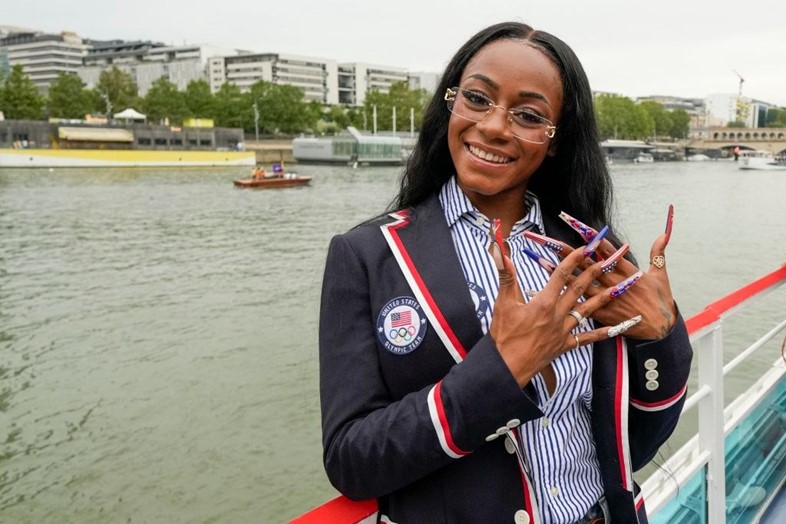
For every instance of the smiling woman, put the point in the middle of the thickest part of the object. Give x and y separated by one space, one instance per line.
474 366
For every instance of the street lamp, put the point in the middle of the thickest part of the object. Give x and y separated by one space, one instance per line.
256 121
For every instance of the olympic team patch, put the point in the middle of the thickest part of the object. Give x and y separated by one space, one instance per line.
479 298
401 325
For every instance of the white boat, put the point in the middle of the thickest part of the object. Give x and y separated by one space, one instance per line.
761 160
748 435
644 158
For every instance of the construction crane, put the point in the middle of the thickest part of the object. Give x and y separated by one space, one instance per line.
742 80
742 107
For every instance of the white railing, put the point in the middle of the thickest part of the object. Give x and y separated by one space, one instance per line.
715 422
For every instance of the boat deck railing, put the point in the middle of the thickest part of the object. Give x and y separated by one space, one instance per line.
694 479
691 486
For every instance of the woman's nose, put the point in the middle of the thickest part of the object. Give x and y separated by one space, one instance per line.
496 121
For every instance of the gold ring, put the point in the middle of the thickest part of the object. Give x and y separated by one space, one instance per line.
577 341
658 261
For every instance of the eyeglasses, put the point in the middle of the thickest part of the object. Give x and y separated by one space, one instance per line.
524 124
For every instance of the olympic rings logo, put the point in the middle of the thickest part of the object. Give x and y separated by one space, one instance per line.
402 335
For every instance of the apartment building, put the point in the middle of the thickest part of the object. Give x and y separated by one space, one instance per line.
355 80
146 62
317 77
43 56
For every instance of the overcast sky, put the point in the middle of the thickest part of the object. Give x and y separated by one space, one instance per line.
687 48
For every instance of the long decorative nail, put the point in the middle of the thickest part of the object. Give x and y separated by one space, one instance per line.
586 232
610 263
623 326
496 234
669 222
618 290
550 243
544 262
496 254
589 250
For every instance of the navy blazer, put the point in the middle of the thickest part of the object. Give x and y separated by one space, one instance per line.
429 427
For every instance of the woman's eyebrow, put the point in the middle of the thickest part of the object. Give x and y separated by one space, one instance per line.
483 78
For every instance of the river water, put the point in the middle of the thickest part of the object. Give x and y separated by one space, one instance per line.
158 355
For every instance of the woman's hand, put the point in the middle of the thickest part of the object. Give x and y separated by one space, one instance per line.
529 335
651 297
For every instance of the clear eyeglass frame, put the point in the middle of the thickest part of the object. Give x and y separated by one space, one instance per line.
537 131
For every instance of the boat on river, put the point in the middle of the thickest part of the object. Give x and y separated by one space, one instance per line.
741 445
278 178
762 160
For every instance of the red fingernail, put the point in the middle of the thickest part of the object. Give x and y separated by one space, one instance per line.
496 230
669 222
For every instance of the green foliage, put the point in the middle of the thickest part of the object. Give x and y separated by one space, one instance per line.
199 99
282 108
233 108
680 124
117 90
403 99
619 117
164 101
20 96
736 124
68 97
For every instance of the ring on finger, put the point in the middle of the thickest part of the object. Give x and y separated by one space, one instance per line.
658 261
582 322
578 344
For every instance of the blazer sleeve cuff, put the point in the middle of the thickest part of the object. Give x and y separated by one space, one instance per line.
478 401
659 369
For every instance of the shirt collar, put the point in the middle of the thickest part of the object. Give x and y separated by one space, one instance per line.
456 204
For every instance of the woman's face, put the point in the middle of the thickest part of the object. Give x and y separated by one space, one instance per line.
492 164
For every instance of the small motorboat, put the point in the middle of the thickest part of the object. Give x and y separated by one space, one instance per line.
278 178
271 182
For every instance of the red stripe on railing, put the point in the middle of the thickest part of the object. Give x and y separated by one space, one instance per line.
341 510
713 312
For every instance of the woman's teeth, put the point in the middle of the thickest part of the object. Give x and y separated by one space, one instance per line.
488 157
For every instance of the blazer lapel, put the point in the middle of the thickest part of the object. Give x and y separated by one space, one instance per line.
423 246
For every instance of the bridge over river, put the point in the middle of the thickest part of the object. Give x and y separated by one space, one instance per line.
772 139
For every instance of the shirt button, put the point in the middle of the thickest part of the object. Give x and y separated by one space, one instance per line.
554 491
521 517
544 422
513 423
651 374
650 363
509 446
652 385
479 221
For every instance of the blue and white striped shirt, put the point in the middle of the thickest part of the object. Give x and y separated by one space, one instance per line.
559 449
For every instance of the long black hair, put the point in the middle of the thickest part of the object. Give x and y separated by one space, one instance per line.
575 180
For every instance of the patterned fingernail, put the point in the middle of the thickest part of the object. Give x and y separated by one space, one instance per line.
544 262
611 262
669 222
586 232
496 234
550 243
589 250
623 326
620 289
